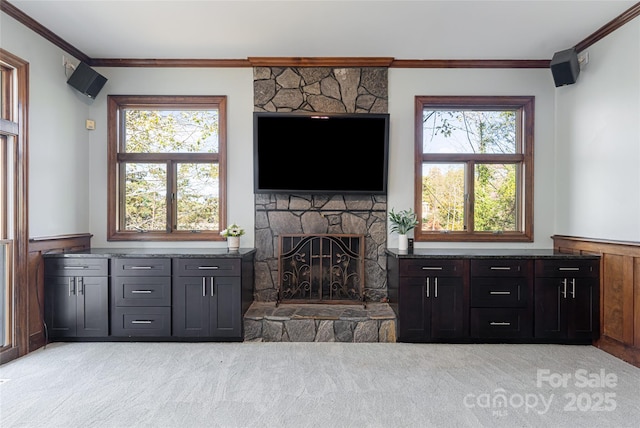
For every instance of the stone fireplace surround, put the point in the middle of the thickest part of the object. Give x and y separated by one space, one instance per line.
322 90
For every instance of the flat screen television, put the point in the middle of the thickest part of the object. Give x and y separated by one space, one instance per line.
320 153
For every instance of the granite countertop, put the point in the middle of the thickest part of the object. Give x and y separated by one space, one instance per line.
157 252
444 253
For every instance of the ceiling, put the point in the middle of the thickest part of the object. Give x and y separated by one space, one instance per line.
216 29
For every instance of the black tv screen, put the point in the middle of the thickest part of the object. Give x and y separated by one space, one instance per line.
320 153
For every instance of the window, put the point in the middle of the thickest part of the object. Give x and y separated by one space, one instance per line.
474 168
6 144
166 167
14 236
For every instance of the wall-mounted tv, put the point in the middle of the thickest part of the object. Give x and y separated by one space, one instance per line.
320 153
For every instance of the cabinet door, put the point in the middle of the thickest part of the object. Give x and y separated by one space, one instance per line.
582 320
447 307
93 306
550 308
225 316
190 309
413 313
60 306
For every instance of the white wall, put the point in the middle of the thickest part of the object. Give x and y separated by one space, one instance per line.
235 83
58 141
598 142
405 84
588 184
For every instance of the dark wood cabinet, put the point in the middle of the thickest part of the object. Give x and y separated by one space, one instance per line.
76 298
566 306
207 298
148 294
521 296
141 297
431 302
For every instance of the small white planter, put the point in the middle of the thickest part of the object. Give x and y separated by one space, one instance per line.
233 243
403 242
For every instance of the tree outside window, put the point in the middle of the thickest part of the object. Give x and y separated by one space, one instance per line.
166 167
474 168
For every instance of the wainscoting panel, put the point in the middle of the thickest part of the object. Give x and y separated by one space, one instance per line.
38 247
619 292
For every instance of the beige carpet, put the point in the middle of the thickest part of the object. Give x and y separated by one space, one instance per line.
318 385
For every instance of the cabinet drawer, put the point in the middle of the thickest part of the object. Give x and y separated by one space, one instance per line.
431 267
499 292
141 291
141 322
500 267
567 268
141 267
206 267
501 323
80 266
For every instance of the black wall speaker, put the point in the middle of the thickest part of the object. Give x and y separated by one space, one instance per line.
565 67
87 80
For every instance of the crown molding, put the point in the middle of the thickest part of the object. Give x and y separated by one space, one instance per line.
6 7
178 63
40 29
320 61
617 22
470 63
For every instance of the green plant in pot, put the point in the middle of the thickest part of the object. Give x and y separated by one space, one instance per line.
402 222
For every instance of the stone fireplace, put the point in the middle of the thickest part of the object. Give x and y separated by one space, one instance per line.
322 90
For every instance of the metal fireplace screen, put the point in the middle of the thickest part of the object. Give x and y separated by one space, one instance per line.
321 269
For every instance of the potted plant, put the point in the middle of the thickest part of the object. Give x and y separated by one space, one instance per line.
401 223
233 232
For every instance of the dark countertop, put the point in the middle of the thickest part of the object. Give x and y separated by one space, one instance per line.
157 252
457 253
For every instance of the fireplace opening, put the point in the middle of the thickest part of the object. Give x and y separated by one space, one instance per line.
321 269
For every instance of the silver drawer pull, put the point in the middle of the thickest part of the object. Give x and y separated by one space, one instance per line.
500 268
141 322
207 267
569 268
431 267
76 267
141 267
141 291
500 323
500 292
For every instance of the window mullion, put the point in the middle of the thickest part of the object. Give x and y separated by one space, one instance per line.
520 195
470 197
122 196
172 174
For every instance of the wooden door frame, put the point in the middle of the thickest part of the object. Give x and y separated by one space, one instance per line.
20 170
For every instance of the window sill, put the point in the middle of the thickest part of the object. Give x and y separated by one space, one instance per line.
172 237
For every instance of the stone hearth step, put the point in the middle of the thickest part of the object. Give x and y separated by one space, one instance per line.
288 322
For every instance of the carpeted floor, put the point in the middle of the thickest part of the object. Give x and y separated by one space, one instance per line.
318 385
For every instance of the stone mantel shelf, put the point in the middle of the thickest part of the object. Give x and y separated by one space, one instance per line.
457 253
157 252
